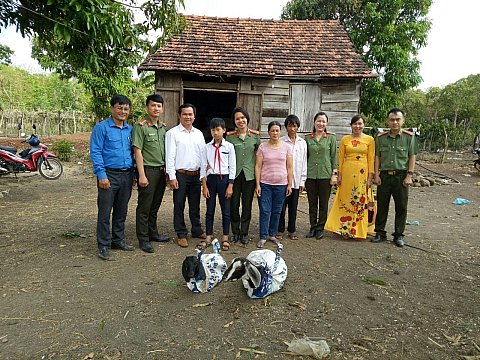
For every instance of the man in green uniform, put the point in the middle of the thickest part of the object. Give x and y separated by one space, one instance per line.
148 142
395 153
246 142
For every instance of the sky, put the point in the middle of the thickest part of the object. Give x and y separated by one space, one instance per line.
451 53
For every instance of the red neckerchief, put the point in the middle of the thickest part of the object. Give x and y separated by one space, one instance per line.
217 154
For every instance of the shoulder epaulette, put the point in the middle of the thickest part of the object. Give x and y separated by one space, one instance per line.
256 132
309 135
382 133
408 132
233 132
143 122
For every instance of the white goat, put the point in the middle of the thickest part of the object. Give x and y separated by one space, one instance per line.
262 272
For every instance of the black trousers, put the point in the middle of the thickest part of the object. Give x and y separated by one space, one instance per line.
243 191
113 202
149 201
392 186
318 193
217 186
189 188
292 203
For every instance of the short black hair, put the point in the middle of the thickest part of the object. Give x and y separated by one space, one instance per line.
154 98
292 119
187 105
274 123
394 111
240 110
217 122
120 100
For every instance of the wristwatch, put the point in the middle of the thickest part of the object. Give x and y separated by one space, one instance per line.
409 172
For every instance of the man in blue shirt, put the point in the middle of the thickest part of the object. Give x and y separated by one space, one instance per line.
112 159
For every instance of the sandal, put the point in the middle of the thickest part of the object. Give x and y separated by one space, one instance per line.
279 236
225 245
202 244
261 244
293 236
273 239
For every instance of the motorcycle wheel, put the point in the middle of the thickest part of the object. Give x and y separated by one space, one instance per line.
477 165
50 168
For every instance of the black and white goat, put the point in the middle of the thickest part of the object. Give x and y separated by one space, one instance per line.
262 272
204 271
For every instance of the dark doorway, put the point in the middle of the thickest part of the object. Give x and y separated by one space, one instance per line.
211 104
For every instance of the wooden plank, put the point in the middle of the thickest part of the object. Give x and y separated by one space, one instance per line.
275 105
166 80
270 91
276 98
245 84
305 102
285 84
252 102
339 97
275 113
171 103
200 85
340 106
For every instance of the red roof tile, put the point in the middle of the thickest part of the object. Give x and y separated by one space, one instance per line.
307 49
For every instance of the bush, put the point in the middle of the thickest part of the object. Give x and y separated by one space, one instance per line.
63 149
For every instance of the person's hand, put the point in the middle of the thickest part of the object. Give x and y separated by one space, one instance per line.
339 179
142 181
205 192
333 180
369 181
376 180
258 191
173 184
408 181
289 191
229 192
301 189
104 184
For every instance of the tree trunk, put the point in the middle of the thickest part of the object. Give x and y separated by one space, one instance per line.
446 144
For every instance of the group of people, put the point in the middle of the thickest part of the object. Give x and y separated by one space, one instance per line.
235 166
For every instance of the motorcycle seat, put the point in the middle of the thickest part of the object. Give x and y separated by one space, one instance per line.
10 149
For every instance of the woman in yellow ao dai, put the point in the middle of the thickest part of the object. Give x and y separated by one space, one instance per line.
356 156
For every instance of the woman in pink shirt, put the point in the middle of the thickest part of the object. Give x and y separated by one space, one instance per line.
273 177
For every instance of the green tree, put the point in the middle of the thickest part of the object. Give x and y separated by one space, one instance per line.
5 54
96 41
388 35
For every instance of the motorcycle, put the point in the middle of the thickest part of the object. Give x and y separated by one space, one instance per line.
476 163
36 158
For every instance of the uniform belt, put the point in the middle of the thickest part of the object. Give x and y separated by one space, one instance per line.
394 172
188 172
119 170
154 167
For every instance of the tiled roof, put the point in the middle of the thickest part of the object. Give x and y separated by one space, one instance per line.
307 49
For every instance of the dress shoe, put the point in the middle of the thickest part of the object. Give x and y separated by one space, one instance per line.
235 238
244 239
182 242
160 238
379 237
147 247
399 241
122 245
311 233
319 234
103 253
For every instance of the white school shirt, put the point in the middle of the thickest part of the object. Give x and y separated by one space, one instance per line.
228 164
183 150
299 150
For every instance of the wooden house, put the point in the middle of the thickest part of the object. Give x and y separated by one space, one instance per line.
273 68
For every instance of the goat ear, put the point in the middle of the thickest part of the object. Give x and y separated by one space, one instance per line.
201 270
254 274
185 270
235 271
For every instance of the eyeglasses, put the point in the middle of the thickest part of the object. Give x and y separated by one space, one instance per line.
122 108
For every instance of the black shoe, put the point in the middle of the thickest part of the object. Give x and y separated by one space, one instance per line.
122 245
379 237
147 247
234 238
160 238
103 253
399 241
311 233
319 234
244 239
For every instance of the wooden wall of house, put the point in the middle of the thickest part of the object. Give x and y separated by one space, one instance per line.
169 86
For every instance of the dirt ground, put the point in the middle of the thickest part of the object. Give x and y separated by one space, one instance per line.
58 300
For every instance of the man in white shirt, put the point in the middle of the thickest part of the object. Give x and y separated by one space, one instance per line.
299 148
184 146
